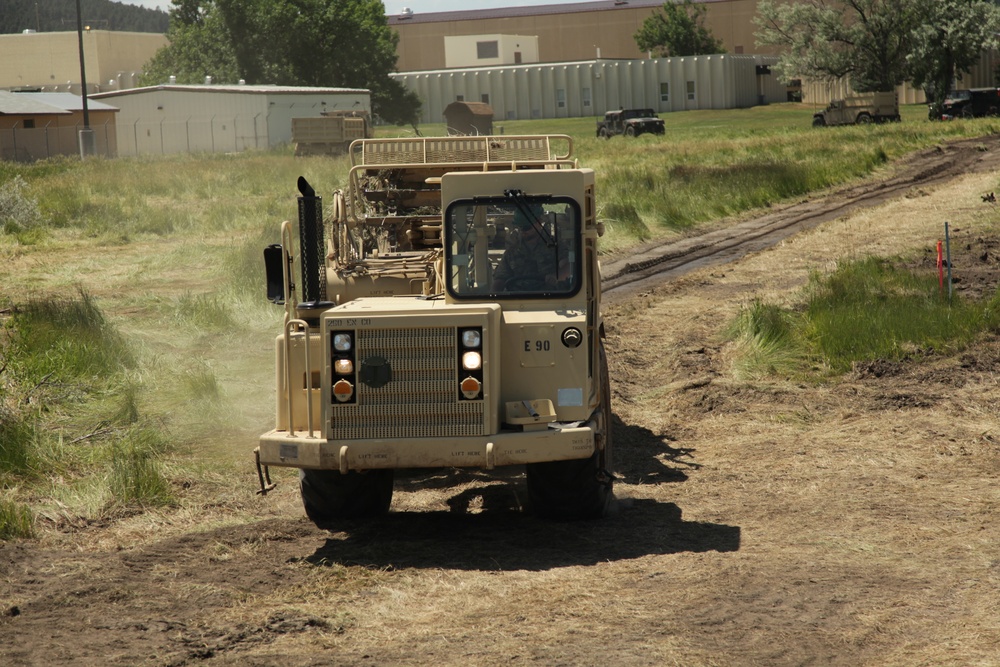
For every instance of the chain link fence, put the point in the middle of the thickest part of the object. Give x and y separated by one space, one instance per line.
218 134
27 144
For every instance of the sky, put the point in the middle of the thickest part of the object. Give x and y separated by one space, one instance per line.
418 6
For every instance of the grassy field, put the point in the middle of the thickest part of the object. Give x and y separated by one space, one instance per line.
162 257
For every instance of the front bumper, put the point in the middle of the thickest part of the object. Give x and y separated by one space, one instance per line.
300 450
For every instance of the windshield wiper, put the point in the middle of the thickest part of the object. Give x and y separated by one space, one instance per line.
521 202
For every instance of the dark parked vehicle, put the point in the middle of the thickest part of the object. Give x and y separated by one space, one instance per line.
630 122
973 103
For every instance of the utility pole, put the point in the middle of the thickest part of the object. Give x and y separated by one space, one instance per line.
86 134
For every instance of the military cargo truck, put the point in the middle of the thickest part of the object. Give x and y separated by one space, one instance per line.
862 109
448 316
330 133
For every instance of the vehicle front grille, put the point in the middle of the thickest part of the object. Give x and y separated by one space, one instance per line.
420 401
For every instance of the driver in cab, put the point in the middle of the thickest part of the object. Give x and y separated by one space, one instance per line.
532 261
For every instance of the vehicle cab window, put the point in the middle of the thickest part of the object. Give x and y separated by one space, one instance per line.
521 247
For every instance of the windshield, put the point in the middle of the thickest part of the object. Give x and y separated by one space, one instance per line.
513 247
640 113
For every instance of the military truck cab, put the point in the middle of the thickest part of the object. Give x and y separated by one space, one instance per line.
459 326
862 109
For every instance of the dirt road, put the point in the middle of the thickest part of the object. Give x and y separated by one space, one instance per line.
758 521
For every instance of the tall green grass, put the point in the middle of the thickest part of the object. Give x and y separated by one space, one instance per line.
65 339
70 410
767 340
137 477
867 309
16 520
870 309
17 438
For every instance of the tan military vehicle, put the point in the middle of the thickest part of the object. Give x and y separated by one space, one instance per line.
860 110
448 315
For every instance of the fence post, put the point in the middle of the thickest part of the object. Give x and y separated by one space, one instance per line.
107 140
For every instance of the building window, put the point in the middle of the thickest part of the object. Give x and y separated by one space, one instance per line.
664 92
586 97
690 87
485 98
517 57
29 123
561 98
486 50
459 98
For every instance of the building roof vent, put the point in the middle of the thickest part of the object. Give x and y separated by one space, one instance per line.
406 13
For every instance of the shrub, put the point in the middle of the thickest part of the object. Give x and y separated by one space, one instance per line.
16 520
136 476
18 211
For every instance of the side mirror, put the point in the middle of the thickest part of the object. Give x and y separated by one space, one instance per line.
274 257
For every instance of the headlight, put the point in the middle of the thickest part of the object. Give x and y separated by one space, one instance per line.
342 342
471 338
472 361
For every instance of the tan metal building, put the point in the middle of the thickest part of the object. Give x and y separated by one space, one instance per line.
566 33
50 61
34 126
220 119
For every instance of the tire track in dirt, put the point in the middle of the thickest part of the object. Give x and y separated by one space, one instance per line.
650 265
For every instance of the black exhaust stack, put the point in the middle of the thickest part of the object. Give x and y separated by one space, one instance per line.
312 245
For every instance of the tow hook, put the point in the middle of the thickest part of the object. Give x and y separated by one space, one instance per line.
263 475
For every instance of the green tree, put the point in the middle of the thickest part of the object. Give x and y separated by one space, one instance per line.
341 43
868 40
199 46
677 29
950 41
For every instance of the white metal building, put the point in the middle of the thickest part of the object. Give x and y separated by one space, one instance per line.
220 119
589 88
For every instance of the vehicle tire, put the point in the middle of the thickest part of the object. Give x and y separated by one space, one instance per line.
329 496
818 121
605 134
630 132
580 488
967 112
864 119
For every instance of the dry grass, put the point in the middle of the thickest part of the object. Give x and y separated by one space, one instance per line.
760 522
